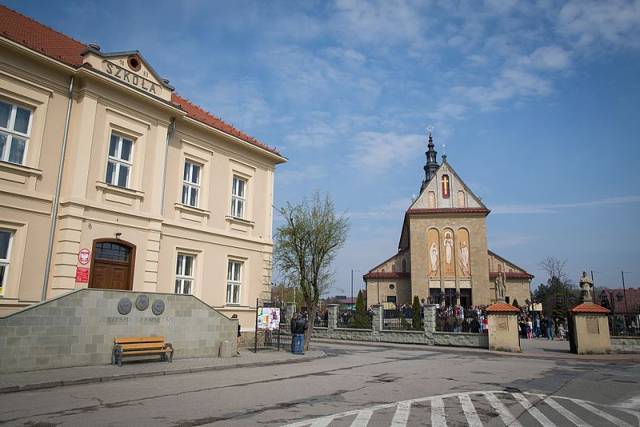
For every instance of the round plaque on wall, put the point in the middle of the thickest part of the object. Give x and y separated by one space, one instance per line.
142 302
157 307
124 306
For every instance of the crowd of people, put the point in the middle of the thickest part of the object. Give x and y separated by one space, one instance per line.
459 319
535 325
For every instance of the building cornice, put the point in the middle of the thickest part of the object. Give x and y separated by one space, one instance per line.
448 211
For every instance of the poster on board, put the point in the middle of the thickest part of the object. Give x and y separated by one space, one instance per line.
268 318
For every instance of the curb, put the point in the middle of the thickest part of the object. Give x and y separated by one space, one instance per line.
93 380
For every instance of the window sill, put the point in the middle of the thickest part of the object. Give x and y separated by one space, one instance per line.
241 221
119 190
19 169
190 209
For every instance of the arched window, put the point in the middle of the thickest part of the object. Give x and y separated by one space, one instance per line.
404 265
432 200
462 203
112 251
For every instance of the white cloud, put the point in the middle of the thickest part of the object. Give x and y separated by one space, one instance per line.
615 22
376 152
548 58
555 208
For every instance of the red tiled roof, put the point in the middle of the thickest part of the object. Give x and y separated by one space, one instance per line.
386 275
512 275
203 116
47 41
32 34
502 307
589 307
448 211
619 300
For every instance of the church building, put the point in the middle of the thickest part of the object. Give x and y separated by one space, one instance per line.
443 254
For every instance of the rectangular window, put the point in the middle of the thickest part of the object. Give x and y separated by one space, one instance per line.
234 281
120 161
191 184
5 253
238 197
15 127
184 273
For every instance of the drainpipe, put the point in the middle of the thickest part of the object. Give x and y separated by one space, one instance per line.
56 196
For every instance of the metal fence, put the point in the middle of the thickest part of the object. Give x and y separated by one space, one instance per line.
349 319
401 320
624 324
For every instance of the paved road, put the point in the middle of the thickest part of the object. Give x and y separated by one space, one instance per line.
356 385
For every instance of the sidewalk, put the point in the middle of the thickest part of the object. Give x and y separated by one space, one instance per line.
34 380
552 350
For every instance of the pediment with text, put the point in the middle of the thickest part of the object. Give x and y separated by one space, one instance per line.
131 69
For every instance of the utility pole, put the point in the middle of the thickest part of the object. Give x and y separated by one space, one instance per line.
352 286
593 288
624 292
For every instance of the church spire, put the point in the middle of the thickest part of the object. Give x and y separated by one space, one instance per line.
431 166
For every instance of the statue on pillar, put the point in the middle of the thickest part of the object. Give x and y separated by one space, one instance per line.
586 286
501 287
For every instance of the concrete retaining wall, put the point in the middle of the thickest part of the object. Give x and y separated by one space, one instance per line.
78 329
461 339
625 344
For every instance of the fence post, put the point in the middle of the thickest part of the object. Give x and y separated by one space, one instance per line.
429 322
378 318
332 316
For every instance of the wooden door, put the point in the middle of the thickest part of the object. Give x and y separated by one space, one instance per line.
112 265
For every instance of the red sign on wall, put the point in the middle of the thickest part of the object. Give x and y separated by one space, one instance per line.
82 275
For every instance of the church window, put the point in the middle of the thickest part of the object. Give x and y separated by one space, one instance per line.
392 286
404 265
393 268
461 200
446 187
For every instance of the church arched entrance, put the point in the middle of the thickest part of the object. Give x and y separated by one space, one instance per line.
112 264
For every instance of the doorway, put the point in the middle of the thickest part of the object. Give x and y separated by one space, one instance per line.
112 264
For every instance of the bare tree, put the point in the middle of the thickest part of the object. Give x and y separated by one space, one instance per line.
555 268
305 246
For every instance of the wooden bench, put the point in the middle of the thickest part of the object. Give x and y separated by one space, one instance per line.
141 346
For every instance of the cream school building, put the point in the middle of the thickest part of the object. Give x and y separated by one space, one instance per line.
110 179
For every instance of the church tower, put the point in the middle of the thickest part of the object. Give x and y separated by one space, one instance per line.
431 166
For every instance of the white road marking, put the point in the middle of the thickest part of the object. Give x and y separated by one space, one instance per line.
566 413
322 422
362 420
616 421
437 412
469 411
633 403
401 416
503 411
533 411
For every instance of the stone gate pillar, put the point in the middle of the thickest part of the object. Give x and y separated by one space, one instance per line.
503 327
332 318
591 328
378 318
429 322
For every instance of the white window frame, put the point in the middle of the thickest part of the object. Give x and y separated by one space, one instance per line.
10 133
234 265
181 277
188 185
118 161
238 201
6 262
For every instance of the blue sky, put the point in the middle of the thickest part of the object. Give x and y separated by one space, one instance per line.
538 103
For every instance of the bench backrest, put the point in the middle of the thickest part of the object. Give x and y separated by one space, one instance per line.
139 340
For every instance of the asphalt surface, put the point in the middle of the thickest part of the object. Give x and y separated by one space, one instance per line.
355 385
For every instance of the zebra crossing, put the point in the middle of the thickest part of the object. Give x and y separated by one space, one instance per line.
479 408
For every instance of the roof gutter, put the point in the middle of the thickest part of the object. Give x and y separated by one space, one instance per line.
56 196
